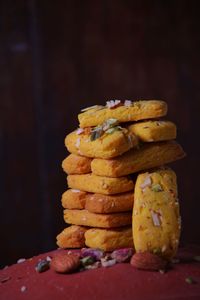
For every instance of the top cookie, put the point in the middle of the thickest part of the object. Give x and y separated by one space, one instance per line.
123 112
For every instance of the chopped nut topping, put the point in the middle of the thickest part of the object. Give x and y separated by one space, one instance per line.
155 218
127 103
157 187
113 103
75 191
79 131
78 141
146 183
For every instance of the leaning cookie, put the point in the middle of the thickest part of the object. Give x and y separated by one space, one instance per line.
148 156
156 219
98 184
86 218
99 143
123 112
154 131
72 237
76 164
109 239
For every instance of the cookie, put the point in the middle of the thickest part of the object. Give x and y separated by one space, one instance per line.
109 239
154 131
148 156
74 199
72 237
97 203
156 219
106 146
98 184
123 112
104 204
86 218
76 164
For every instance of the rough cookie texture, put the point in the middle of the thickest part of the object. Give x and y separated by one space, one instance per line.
86 218
97 203
109 239
154 131
139 110
76 164
72 237
98 184
148 156
74 199
106 146
104 204
156 220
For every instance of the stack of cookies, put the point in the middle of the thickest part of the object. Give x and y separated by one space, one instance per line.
111 182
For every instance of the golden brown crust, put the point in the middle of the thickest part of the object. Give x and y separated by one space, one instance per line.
74 199
99 203
109 239
154 131
139 110
106 146
156 220
72 237
98 184
76 164
86 218
148 156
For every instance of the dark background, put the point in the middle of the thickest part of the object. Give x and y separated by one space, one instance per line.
57 57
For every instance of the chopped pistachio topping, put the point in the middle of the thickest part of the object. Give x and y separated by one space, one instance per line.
97 132
156 251
109 126
190 280
156 187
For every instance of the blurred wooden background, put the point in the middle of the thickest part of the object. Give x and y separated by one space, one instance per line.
57 57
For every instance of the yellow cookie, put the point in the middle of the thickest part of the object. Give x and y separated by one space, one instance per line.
72 237
156 220
76 164
109 239
149 155
86 218
104 204
74 199
123 112
107 145
154 131
98 184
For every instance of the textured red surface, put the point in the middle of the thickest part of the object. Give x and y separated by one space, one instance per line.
120 281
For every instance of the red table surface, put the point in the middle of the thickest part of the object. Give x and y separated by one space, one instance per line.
121 281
